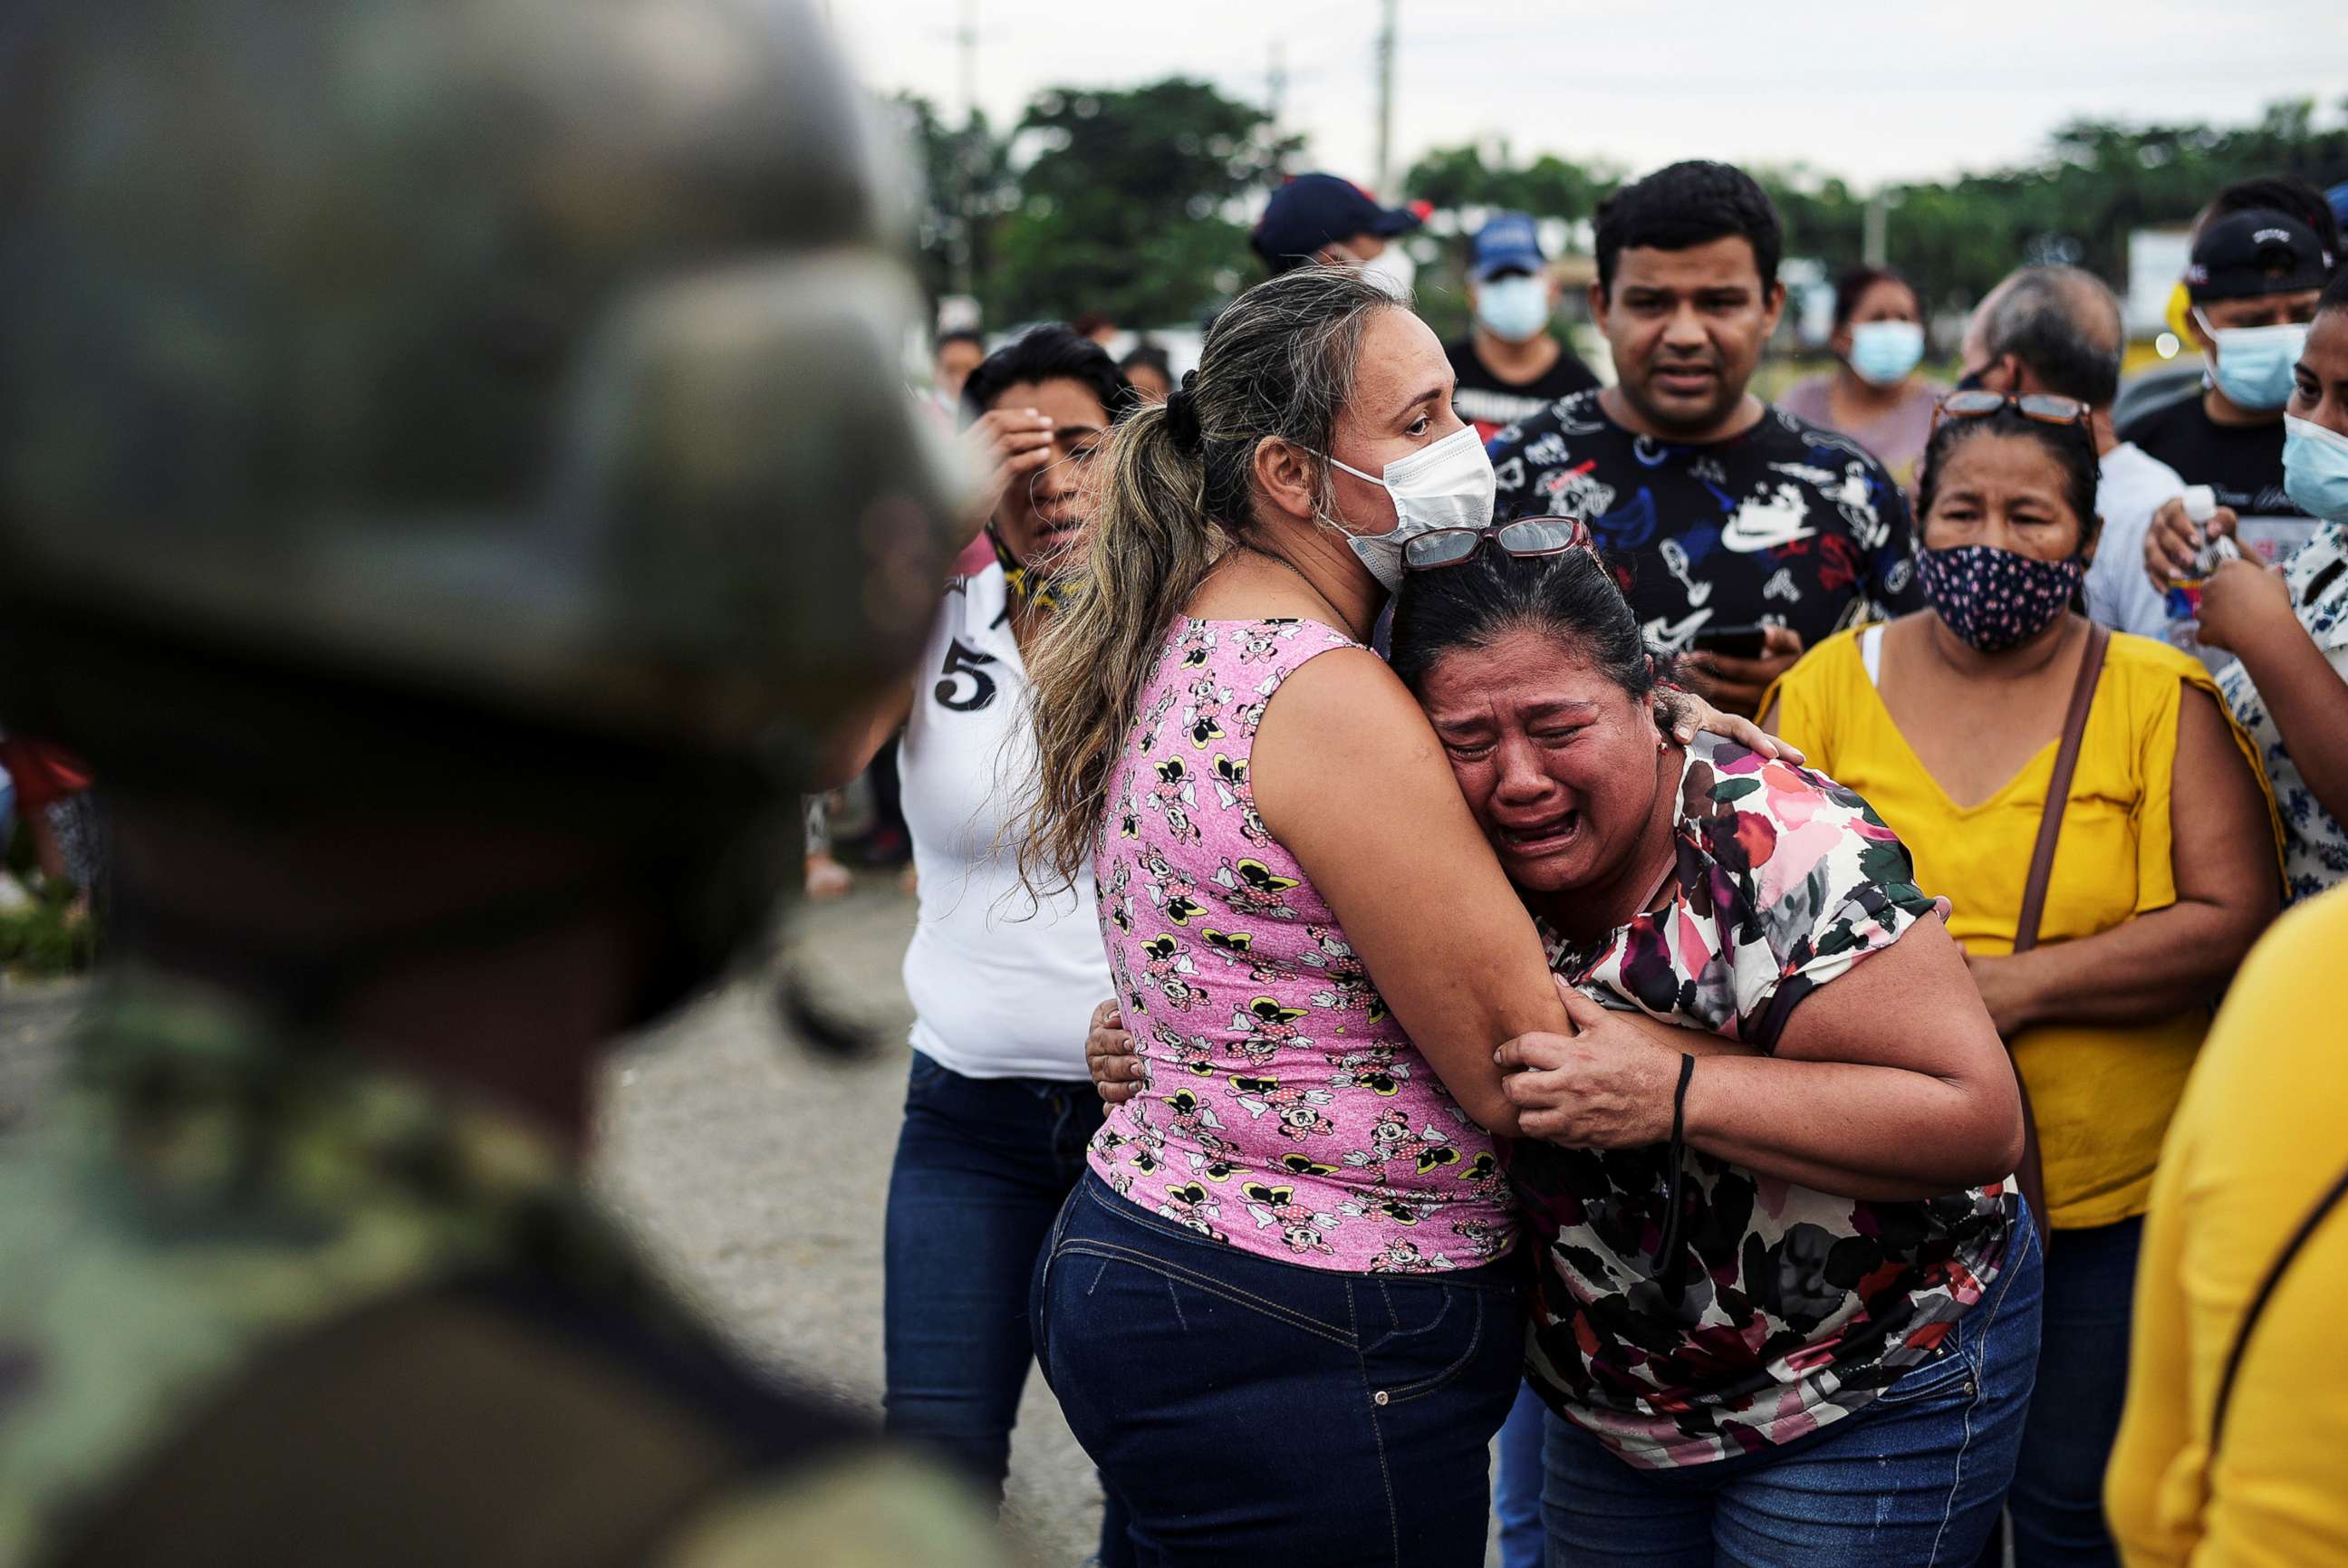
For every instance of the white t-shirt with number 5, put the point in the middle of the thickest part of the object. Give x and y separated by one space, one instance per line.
1001 988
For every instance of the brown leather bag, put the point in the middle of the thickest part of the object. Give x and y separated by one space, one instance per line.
2031 1175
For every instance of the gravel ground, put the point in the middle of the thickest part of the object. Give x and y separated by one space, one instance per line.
757 1171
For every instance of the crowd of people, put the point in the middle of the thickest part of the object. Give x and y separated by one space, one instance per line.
1762 958
1856 809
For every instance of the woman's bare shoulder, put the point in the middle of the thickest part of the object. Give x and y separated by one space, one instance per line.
1244 587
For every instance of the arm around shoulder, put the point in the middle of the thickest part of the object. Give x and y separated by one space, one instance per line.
1350 779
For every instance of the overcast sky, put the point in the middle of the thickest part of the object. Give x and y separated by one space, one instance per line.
1870 90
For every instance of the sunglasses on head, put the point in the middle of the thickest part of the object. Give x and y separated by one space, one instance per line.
1978 403
1527 538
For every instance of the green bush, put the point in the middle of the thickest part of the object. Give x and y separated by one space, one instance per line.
49 936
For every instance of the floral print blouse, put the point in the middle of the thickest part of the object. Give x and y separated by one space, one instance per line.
2315 848
1782 1309
1285 1113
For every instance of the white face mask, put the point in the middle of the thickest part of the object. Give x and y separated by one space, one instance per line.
1391 270
1447 485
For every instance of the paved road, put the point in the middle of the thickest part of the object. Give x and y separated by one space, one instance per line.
760 1172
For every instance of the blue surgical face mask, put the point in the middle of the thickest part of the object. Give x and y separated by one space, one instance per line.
2315 469
1514 310
1882 352
2254 363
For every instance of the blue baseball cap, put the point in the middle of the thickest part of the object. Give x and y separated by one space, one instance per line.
1508 241
1317 210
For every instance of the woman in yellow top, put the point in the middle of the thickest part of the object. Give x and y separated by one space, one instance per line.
2260 1143
1948 721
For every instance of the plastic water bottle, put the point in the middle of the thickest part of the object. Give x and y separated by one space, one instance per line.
2185 593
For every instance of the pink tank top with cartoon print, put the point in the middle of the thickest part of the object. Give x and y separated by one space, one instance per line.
1286 1113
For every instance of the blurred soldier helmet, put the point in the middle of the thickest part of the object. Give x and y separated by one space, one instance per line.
534 358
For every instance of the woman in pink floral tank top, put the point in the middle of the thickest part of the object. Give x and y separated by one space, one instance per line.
1291 1115
1279 1312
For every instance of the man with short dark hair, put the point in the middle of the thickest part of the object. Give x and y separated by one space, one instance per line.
1319 218
2058 330
1511 365
1748 534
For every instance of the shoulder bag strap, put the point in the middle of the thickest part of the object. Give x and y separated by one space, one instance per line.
2058 790
2257 1309
2032 1174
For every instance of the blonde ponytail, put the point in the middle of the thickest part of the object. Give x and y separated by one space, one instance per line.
1278 362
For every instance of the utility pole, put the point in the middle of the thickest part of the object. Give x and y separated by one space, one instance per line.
1385 103
966 40
1873 246
1275 92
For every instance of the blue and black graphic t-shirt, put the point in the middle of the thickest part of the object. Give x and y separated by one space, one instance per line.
1787 524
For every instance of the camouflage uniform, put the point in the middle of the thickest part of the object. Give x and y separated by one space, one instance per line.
431 411
209 1189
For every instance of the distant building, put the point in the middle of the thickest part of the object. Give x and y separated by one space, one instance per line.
2156 261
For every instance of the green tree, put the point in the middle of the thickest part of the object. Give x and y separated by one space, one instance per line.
2100 180
1548 187
1122 201
1125 203
965 186
1458 181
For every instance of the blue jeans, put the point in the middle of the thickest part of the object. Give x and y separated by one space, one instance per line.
982 1165
2057 1499
1252 1411
1914 1478
1516 1482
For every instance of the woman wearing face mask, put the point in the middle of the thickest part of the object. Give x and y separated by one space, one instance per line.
1949 723
1280 1311
1874 396
2289 625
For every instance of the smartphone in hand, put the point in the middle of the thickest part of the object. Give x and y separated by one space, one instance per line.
1730 642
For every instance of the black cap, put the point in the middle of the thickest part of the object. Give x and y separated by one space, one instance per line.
2262 252
1317 210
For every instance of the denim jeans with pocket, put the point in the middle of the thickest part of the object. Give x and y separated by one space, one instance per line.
982 1165
1914 1480
1252 1411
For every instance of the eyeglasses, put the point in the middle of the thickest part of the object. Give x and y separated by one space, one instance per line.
2046 407
1527 538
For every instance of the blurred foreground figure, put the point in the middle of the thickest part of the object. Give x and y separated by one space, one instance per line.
2230 1451
414 501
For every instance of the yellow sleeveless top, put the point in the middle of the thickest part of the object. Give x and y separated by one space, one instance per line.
2103 1094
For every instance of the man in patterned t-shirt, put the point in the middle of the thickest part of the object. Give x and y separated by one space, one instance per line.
1722 513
